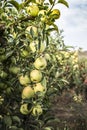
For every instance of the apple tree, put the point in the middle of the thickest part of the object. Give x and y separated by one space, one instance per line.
27 62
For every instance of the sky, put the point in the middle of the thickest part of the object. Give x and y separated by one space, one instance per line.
73 22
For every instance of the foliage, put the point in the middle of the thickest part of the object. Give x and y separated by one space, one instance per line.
25 37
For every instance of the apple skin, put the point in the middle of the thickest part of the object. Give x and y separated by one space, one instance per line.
33 10
24 109
37 110
27 93
40 63
35 76
24 79
24 53
55 14
39 88
43 16
47 57
34 29
34 45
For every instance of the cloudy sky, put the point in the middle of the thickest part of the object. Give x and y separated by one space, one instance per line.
74 23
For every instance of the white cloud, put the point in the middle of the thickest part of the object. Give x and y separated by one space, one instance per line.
74 23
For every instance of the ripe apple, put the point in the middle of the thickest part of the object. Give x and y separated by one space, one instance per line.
34 46
40 63
33 10
35 76
39 88
37 110
43 16
27 93
33 28
55 14
47 57
24 109
24 79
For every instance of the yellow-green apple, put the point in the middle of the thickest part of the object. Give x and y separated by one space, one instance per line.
24 109
24 79
34 46
55 14
39 88
27 92
37 110
24 53
33 10
47 57
35 76
40 63
28 30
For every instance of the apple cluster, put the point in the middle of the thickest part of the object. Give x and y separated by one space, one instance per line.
33 86
46 14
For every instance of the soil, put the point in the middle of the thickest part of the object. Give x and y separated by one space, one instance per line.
71 114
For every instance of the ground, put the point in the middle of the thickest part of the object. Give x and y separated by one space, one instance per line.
71 115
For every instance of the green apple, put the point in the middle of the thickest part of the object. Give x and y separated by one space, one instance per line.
47 57
28 31
27 93
14 69
24 53
3 74
43 16
24 79
55 14
24 109
42 12
2 57
34 46
39 88
33 10
40 63
35 76
37 110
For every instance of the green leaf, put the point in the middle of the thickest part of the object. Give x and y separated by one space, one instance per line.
51 2
15 4
65 81
13 128
44 82
55 27
7 120
64 3
16 119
